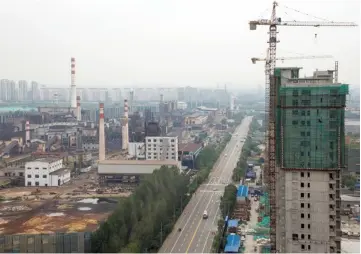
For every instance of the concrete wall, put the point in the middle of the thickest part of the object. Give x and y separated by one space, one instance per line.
62 176
315 211
46 243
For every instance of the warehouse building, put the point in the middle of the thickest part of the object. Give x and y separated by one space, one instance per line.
129 171
46 172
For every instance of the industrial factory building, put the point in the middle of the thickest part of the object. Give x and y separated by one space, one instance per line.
47 172
129 171
161 148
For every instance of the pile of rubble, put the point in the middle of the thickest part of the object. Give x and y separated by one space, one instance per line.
16 208
242 210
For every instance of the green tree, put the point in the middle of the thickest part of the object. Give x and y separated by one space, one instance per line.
228 201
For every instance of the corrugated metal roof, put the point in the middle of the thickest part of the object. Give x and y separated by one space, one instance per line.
139 162
189 147
233 223
233 243
242 191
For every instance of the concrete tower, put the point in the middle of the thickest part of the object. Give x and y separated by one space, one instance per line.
78 109
125 128
27 133
131 101
73 86
101 133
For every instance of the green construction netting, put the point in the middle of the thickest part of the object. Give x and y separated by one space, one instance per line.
256 237
310 122
266 249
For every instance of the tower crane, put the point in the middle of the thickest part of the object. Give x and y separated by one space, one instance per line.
267 64
255 59
277 21
271 169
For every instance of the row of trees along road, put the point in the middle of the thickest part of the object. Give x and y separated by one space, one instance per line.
248 147
228 200
227 204
142 221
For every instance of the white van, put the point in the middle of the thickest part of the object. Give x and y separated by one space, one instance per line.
205 215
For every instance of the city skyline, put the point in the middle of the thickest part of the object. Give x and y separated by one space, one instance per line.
165 43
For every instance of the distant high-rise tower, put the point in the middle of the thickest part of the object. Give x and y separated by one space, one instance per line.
35 91
23 90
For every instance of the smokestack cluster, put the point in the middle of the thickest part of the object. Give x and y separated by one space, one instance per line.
73 86
125 128
101 133
27 133
78 109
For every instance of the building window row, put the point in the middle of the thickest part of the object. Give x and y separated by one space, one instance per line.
37 176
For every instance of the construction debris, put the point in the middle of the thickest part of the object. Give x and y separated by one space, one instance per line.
15 208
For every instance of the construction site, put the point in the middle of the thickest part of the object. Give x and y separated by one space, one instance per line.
305 150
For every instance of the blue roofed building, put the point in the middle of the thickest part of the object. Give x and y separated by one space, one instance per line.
242 193
233 243
232 226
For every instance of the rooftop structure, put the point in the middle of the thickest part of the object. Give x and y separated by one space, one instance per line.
233 243
242 191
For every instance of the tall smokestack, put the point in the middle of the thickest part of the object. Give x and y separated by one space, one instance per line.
27 133
78 109
101 133
73 86
125 128
131 100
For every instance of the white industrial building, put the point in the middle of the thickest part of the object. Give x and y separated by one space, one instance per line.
161 148
136 150
133 167
47 172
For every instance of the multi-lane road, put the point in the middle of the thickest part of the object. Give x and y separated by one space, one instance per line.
196 234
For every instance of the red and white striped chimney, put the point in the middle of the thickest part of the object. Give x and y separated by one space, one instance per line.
78 109
101 133
27 132
73 86
125 128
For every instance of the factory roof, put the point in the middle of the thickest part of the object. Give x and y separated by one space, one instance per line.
350 198
48 159
233 223
139 162
189 147
60 171
242 191
233 243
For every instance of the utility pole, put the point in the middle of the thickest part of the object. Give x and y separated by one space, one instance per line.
161 233
181 203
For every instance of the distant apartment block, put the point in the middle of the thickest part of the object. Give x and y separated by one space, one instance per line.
161 148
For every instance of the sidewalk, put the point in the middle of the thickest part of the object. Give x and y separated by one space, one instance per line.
249 243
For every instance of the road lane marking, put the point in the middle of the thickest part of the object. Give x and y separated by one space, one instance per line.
214 220
187 221
215 171
195 232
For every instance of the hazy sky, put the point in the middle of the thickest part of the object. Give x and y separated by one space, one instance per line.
124 43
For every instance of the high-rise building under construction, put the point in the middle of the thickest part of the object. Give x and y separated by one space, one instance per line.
309 156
